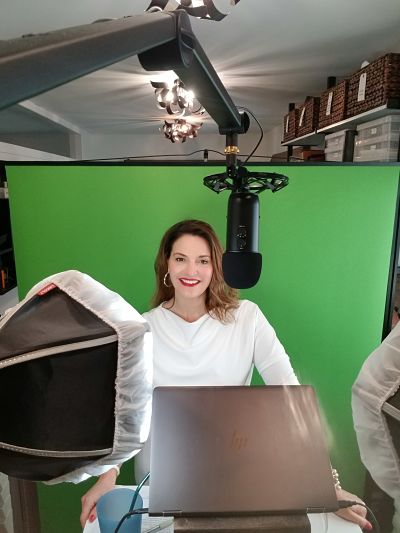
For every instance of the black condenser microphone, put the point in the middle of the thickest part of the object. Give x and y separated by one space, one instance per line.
241 263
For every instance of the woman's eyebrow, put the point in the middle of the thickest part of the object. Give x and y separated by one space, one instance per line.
200 256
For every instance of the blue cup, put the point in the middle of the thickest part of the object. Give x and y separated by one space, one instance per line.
112 506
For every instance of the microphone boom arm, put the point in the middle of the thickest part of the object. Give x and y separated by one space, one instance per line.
33 64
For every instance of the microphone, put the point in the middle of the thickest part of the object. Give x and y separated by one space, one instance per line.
241 263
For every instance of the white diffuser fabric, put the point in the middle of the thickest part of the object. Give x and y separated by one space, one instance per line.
377 381
134 368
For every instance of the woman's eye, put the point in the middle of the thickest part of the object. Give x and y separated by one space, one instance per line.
179 259
204 261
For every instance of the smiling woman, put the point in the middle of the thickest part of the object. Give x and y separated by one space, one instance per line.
188 265
190 274
204 336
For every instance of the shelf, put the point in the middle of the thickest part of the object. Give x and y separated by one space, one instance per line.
311 139
317 138
352 122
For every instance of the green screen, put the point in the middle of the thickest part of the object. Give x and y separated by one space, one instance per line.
326 242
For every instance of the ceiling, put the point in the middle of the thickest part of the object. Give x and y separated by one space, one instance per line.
267 53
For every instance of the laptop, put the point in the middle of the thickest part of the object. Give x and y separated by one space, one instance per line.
237 451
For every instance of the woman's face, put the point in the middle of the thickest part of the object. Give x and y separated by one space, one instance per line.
189 266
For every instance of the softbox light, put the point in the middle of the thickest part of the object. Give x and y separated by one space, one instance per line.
377 417
75 381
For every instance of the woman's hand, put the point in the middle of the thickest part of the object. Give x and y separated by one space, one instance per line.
105 483
356 513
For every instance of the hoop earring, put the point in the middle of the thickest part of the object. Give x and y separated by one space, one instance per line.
165 280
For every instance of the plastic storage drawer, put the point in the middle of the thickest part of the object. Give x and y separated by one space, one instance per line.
378 140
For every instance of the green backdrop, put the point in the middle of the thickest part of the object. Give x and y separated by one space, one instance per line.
326 241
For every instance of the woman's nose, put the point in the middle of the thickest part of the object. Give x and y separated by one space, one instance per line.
192 269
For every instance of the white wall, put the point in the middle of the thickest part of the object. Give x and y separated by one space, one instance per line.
13 152
55 142
272 140
98 146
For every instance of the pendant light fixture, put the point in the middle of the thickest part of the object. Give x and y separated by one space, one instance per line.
204 9
179 129
175 99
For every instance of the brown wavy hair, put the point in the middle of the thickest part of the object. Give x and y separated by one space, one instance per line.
221 300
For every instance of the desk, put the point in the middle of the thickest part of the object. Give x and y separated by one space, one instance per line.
320 523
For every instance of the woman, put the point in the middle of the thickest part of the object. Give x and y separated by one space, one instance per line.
204 335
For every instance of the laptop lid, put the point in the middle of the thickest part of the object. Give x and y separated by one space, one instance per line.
219 451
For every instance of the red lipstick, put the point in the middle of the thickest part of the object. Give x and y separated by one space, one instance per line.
187 282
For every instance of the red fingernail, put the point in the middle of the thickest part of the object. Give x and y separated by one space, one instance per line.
92 518
368 526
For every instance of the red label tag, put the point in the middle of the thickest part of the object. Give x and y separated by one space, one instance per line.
47 289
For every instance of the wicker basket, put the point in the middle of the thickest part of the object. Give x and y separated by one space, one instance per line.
290 125
374 85
333 105
308 116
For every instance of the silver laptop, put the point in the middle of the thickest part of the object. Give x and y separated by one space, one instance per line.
219 451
